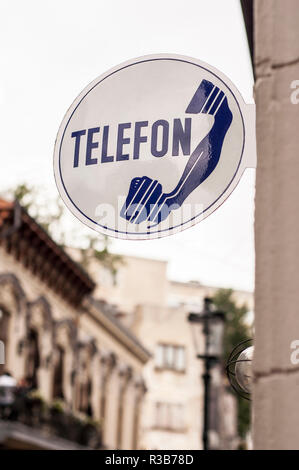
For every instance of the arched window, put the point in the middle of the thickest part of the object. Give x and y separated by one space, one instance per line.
4 336
84 385
85 393
33 358
58 374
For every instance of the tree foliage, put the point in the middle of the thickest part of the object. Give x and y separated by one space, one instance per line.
109 260
236 330
50 214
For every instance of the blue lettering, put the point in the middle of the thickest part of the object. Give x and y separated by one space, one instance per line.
91 145
165 134
121 141
77 136
181 137
105 158
138 138
158 140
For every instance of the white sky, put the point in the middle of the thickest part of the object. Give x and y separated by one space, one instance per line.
50 50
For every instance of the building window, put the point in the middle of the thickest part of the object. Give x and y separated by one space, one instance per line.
4 325
171 357
33 359
58 374
169 416
85 394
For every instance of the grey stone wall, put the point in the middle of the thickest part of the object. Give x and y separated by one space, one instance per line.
276 379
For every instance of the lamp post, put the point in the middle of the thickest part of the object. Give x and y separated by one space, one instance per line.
210 324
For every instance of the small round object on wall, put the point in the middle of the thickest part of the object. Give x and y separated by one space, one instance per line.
239 368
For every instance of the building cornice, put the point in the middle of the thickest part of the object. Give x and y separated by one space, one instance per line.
22 237
116 329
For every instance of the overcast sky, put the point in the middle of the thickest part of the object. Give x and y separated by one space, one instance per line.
50 50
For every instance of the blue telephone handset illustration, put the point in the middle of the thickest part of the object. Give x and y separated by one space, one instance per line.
145 200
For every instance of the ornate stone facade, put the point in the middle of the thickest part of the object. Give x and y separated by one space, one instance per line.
70 346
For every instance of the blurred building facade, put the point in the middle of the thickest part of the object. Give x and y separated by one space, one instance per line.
63 341
156 310
97 342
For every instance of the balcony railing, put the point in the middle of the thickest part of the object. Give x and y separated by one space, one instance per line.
53 419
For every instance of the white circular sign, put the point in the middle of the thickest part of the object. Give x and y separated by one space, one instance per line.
152 147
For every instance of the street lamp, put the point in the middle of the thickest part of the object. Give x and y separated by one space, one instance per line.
210 324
